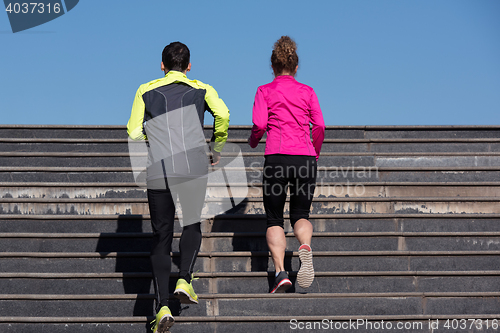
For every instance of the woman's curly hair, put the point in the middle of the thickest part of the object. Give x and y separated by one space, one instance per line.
284 56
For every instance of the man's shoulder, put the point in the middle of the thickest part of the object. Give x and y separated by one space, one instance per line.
198 84
145 87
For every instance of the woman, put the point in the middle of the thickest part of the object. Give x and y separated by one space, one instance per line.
285 108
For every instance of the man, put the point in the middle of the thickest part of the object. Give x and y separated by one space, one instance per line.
169 114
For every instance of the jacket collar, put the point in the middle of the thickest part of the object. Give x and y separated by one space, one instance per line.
175 74
284 77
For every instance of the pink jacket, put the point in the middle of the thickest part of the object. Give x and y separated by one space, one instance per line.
284 108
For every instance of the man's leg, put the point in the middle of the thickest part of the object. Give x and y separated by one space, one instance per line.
192 198
162 210
189 246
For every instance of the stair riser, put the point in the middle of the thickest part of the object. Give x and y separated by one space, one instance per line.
363 147
70 177
339 176
89 328
124 161
259 307
64 226
73 192
229 327
353 263
426 133
437 161
249 285
371 132
332 190
212 209
359 306
343 164
79 147
140 264
138 225
226 244
66 133
368 263
119 192
256 177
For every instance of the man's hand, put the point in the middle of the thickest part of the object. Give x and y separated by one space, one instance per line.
215 158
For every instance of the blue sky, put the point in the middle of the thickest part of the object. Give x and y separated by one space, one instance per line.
371 62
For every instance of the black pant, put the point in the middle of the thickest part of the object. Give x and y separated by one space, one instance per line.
162 210
296 172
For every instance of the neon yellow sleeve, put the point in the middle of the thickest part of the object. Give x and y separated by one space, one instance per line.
134 125
221 115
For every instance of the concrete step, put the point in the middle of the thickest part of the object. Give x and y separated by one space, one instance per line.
255 305
10 190
320 205
257 223
62 131
255 261
243 131
122 283
346 160
413 323
131 242
279 324
254 174
362 146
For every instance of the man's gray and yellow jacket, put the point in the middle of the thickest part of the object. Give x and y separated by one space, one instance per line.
169 113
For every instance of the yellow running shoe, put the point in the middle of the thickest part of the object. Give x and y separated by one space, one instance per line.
185 292
163 321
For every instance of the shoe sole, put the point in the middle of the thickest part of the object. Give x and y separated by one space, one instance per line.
184 297
283 286
165 323
305 276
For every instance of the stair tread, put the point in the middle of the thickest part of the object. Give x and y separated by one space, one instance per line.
269 318
207 235
86 275
262 296
247 254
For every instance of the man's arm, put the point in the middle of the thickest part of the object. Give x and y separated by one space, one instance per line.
134 125
221 117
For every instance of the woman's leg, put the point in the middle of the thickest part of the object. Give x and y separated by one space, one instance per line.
302 188
303 230
301 196
276 242
274 185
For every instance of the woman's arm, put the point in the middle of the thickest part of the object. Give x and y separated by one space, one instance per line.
259 118
318 129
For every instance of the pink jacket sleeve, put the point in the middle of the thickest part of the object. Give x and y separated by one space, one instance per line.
318 128
259 118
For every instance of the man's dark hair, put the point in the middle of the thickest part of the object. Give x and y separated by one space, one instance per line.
175 56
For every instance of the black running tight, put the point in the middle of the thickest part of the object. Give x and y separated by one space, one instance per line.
162 210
